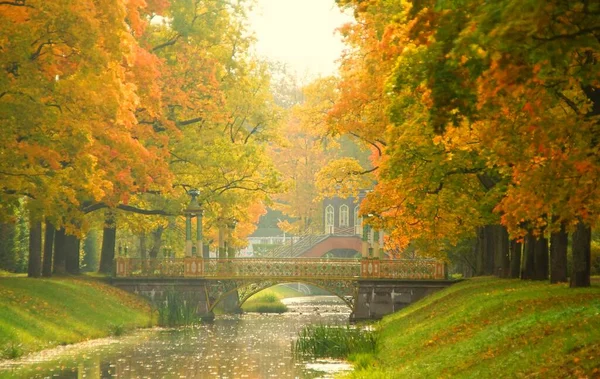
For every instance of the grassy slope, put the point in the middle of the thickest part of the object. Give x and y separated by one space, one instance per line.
41 313
490 328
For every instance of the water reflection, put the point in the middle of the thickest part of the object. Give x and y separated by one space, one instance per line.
246 346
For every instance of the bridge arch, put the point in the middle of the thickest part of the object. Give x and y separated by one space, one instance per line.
346 290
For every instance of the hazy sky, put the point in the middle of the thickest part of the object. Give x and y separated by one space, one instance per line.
300 33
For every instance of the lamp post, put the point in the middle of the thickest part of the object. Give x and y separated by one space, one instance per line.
365 237
193 210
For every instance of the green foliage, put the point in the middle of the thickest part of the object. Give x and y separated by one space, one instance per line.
21 244
7 247
177 310
91 251
11 351
261 249
324 341
265 302
117 330
498 328
595 253
265 307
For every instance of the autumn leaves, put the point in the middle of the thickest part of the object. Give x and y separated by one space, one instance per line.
491 115
111 103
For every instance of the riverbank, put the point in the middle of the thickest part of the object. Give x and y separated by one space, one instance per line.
37 314
269 300
490 328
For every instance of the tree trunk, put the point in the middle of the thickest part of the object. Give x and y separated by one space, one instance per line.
541 258
582 258
479 252
528 270
8 256
59 252
48 247
142 245
489 241
157 242
72 245
515 259
558 255
109 238
502 257
34 269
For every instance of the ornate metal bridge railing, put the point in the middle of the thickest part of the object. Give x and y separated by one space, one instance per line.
265 268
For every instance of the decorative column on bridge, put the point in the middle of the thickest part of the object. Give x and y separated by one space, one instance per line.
376 252
193 210
365 240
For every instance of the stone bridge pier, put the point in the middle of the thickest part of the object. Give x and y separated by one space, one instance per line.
377 298
194 291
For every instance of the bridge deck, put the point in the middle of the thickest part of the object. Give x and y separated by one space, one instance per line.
282 268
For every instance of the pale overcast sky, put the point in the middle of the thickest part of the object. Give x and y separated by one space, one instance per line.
300 33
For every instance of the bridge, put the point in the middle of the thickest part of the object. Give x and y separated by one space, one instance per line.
371 288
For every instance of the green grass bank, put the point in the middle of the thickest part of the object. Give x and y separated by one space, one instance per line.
490 328
37 314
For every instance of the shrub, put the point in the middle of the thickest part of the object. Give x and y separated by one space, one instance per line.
261 307
323 341
176 310
12 350
264 302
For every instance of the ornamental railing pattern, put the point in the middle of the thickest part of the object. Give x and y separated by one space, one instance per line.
265 268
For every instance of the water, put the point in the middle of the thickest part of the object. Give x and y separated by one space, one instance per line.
245 346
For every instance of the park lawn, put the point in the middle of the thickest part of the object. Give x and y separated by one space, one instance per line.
36 314
491 328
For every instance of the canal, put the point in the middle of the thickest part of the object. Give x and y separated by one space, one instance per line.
240 346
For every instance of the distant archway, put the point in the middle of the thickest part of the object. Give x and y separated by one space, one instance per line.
346 290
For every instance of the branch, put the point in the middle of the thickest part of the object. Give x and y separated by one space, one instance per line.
128 208
38 51
14 192
168 43
189 122
16 3
369 142
486 181
568 36
254 130
440 186
569 102
363 172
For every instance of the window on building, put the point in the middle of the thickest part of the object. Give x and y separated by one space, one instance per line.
357 222
344 216
329 218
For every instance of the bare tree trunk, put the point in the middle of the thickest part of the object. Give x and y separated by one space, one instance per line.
489 242
59 252
143 251
502 257
72 244
34 268
479 252
558 255
515 259
541 258
528 269
157 242
48 248
582 258
109 238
